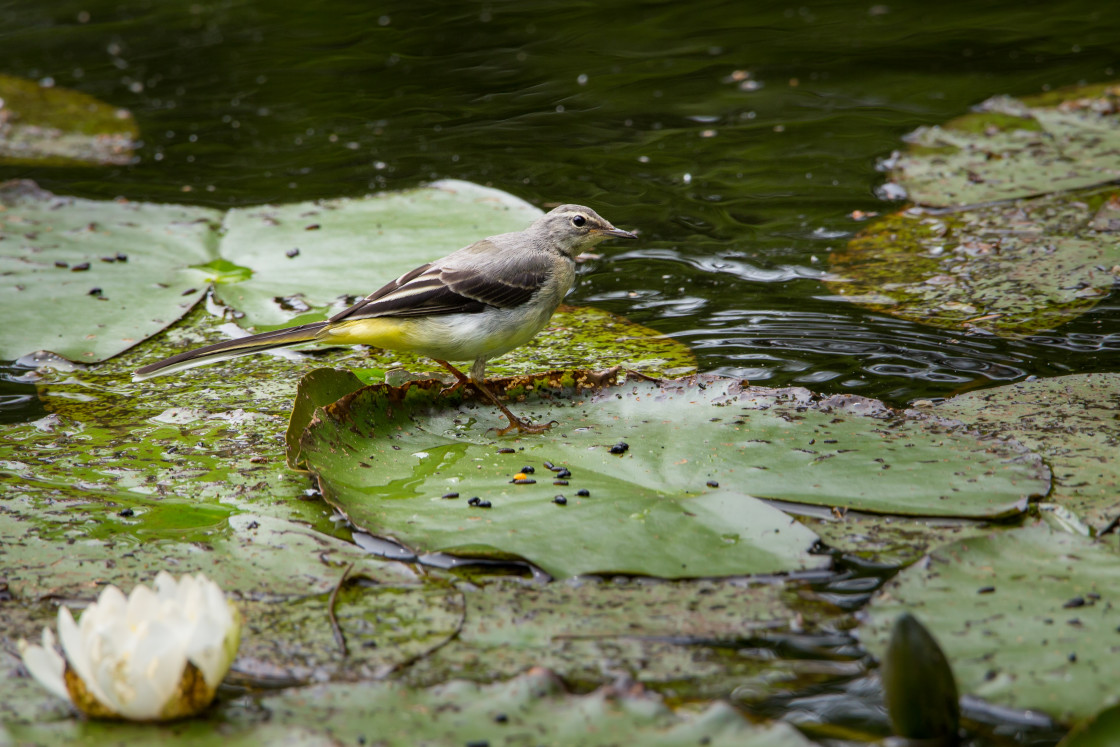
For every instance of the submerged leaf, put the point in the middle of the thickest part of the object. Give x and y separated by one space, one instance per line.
918 685
54 126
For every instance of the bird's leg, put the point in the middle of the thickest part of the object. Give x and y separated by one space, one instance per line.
478 378
460 378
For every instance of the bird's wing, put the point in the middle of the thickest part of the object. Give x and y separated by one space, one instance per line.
435 289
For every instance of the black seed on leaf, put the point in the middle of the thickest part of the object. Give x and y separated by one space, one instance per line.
506 451
524 481
583 493
80 268
527 470
712 484
550 466
292 253
986 590
450 495
559 482
501 718
122 257
126 512
620 448
61 264
564 473
484 504
474 501
560 500
95 291
1075 602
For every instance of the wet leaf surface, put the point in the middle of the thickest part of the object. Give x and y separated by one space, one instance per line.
1073 422
689 639
54 126
1009 269
698 453
55 252
530 709
1027 618
1009 149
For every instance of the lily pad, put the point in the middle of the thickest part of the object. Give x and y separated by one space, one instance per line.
127 270
697 639
699 454
531 709
47 125
87 279
1072 421
1010 149
1009 269
1027 618
317 252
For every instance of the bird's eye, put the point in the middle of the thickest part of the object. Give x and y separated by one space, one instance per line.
578 221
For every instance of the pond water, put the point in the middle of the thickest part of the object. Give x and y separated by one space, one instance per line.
738 138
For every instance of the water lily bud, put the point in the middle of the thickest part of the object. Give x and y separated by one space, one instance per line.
918 685
156 655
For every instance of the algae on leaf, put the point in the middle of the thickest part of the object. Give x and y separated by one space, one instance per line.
1009 269
46 125
1010 149
698 455
1027 618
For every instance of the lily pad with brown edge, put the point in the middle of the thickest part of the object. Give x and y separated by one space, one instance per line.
674 465
1010 149
1009 269
1027 618
533 708
697 639
46 125
1072 421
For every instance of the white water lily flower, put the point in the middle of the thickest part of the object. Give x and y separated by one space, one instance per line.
154 656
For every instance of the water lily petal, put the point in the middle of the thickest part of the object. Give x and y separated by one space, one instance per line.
77 652
45 664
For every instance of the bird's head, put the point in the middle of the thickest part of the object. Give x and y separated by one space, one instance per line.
575 228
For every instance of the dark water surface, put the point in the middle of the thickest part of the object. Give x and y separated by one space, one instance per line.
740 185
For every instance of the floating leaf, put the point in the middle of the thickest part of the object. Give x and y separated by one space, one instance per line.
1100 731
323 250
1027 618
1009 269
53 126
531 709
1009 149
687 636
385 455
1072 422
88 279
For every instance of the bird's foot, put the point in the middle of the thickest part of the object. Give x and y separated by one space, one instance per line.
524 426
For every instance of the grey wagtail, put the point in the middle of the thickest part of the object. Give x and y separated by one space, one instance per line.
474 304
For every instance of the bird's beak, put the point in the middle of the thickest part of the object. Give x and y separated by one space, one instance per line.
618 232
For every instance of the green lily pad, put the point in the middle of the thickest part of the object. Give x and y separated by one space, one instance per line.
385 456
87 279
531 709
685 637
1027 618
52 126
1010 149
1072 421
354 245
1100 731
1009 269
127 270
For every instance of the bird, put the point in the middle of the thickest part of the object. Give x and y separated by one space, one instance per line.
475 304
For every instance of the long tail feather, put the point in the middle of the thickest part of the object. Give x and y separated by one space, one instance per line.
222 351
